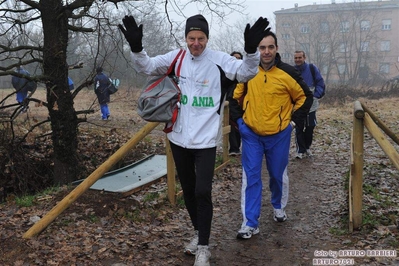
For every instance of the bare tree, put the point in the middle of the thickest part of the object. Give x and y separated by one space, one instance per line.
52 36
229 38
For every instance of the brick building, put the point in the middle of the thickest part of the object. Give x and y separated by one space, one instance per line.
351 43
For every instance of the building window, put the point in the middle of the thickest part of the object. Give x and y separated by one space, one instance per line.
386 24
384 68
324 27
341 69
385 46
324 47
286 25
365 25
285 36
342 47
344 27
305 28
364 46
286 55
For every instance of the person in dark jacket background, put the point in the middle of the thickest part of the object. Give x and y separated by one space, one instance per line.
304 135
101 83
234 135
22 86
70 84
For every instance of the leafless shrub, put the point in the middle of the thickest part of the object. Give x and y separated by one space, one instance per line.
25 168
337 95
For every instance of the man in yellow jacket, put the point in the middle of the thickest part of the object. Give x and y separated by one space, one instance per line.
271 104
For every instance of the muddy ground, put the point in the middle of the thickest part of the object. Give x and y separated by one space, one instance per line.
144 229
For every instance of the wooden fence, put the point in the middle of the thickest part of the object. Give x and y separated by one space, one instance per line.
363 116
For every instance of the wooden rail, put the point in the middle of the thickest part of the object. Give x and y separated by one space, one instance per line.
89 181
373 125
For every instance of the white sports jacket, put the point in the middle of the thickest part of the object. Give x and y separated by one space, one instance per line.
198 125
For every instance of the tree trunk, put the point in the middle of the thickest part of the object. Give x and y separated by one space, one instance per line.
60 103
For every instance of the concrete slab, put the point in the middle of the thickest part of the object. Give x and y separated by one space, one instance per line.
132 176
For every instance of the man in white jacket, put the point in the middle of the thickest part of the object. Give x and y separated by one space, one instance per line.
194 137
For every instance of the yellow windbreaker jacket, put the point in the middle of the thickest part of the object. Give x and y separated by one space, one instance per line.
274 97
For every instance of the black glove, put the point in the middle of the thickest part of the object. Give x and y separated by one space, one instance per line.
253 35
133 33
298 124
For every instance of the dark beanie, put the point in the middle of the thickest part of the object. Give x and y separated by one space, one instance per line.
197 22
99 69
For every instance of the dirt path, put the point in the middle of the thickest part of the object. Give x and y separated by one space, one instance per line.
90 232
314 207
311 212
105 229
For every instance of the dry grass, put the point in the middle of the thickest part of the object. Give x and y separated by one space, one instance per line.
122 106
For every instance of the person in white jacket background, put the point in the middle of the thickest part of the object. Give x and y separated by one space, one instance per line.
194 137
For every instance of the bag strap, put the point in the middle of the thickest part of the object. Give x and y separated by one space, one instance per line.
171 67
169 126
181 60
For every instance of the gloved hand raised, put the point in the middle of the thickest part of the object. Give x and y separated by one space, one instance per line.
253 35
133 33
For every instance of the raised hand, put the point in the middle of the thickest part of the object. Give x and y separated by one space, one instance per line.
253 35
133 33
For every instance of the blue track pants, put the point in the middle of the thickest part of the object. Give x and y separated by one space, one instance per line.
276 150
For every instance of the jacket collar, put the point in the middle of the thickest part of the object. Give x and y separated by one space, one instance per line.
276 60
302 67
199 57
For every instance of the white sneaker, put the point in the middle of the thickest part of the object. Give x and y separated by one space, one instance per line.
191 247
246 232
279 215
234 153
299 155
202 257
309 153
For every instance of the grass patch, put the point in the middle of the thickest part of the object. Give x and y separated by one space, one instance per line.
25 201
343 229
93 218
29 200
394 243
338 231
369 189
219 160
134 216
180 201
369 220
65 222
151 196
179 198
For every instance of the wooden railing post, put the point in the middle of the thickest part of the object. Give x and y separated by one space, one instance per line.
225 133
226 124
356 175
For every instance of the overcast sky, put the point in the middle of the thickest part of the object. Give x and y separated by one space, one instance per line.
267 7
256 9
